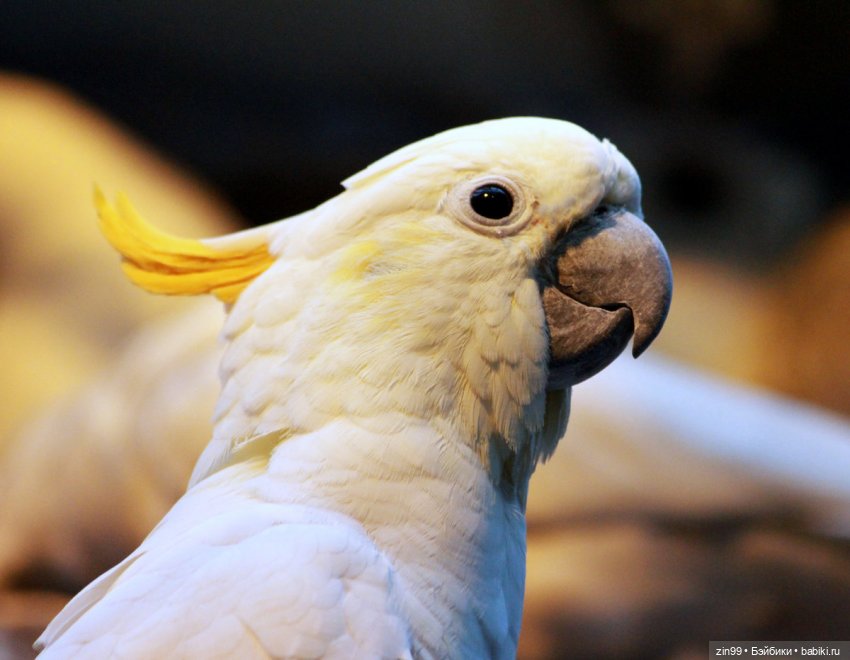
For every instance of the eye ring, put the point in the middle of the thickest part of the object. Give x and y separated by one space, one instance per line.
488 194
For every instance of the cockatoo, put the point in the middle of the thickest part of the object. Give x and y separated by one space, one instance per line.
396 363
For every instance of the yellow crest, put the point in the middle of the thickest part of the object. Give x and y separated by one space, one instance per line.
161 263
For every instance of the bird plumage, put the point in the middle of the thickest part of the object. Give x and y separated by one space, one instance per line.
384 402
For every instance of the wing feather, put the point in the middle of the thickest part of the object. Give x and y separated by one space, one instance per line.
240 578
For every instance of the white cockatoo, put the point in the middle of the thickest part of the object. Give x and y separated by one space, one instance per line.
397 361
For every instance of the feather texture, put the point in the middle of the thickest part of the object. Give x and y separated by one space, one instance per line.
162 263
384 403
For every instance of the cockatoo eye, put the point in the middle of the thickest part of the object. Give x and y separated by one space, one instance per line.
491 201
493 205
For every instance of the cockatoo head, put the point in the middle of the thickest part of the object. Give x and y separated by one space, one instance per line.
470 278
547 197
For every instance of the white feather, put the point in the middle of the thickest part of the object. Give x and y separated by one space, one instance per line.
359 496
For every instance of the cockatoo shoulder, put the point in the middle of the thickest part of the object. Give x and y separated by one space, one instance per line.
256 580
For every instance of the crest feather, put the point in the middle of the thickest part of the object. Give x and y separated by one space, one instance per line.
161 263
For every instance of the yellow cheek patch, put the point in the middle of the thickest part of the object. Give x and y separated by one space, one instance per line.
355 261
161 263
416 232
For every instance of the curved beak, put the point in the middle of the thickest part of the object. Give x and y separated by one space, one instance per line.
610 280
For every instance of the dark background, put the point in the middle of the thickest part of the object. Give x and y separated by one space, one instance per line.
734 112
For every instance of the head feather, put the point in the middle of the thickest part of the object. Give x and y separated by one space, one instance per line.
161 263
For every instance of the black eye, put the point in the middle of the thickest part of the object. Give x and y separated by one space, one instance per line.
491 201
491 204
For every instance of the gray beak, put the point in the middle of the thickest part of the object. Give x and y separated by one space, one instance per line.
610 279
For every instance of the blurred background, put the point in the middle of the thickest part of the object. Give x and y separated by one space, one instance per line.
213 115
